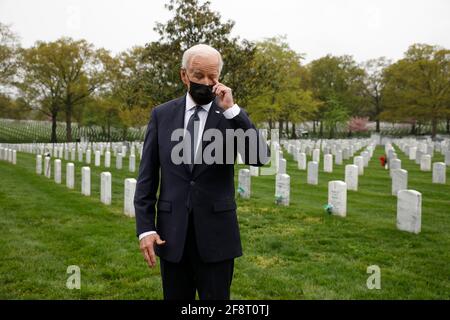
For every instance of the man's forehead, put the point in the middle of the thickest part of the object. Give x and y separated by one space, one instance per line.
203 63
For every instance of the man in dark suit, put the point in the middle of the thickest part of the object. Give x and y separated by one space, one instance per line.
196 234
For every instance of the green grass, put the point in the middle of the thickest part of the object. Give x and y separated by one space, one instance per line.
295 252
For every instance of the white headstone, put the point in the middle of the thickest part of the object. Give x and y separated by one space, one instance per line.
337 197
86 181
425 162
88 156
351 177
119 161
412 153
130 188
38 164
14 157
328 163
395 164
409 211
338 159
316 155
366 157
47 167
301 161
244 183
132 163
70 175
107 159
439 172
359 161
282 189
447 158
313 172
57 164
399 180
97 158
105 187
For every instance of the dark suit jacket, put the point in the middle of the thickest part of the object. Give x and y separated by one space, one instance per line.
208 190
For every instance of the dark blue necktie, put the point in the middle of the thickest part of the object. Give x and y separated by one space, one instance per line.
193 128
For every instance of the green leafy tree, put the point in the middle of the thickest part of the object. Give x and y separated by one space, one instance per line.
193 23
282 94
337 79
374 87
9 46
417 87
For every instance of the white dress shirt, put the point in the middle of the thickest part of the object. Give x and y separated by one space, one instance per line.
189 111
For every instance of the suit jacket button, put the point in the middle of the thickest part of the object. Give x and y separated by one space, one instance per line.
192 183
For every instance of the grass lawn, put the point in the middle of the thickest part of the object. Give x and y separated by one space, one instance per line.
295 252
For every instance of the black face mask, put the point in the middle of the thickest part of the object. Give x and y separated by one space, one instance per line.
201 93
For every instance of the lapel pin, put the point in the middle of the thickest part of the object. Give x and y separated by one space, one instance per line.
217 111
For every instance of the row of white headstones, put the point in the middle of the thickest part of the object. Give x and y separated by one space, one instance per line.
409 202
409 205
105 182
83 152
337 195
9 155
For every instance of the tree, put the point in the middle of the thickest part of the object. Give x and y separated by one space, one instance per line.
39 86
334 115
9 47
337 80
374 87
103 112
357 124
82 70
282 94
62 75
127 90
192 24
417 87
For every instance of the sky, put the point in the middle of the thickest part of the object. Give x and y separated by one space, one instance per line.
364 29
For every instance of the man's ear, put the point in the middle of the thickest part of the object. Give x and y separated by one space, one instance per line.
183 76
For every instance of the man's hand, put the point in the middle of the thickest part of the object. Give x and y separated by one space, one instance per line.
225 95
147 247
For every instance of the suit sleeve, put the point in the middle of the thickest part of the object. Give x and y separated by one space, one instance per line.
260 150
148 180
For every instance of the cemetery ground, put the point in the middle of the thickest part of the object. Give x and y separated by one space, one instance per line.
295 252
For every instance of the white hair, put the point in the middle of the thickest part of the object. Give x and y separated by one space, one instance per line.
200 49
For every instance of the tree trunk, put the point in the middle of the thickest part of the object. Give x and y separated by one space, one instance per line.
321 129
280 126
109 132
124 133
378 126
68 122
413 128
293 135
53 137
433 128
314 126
448 125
